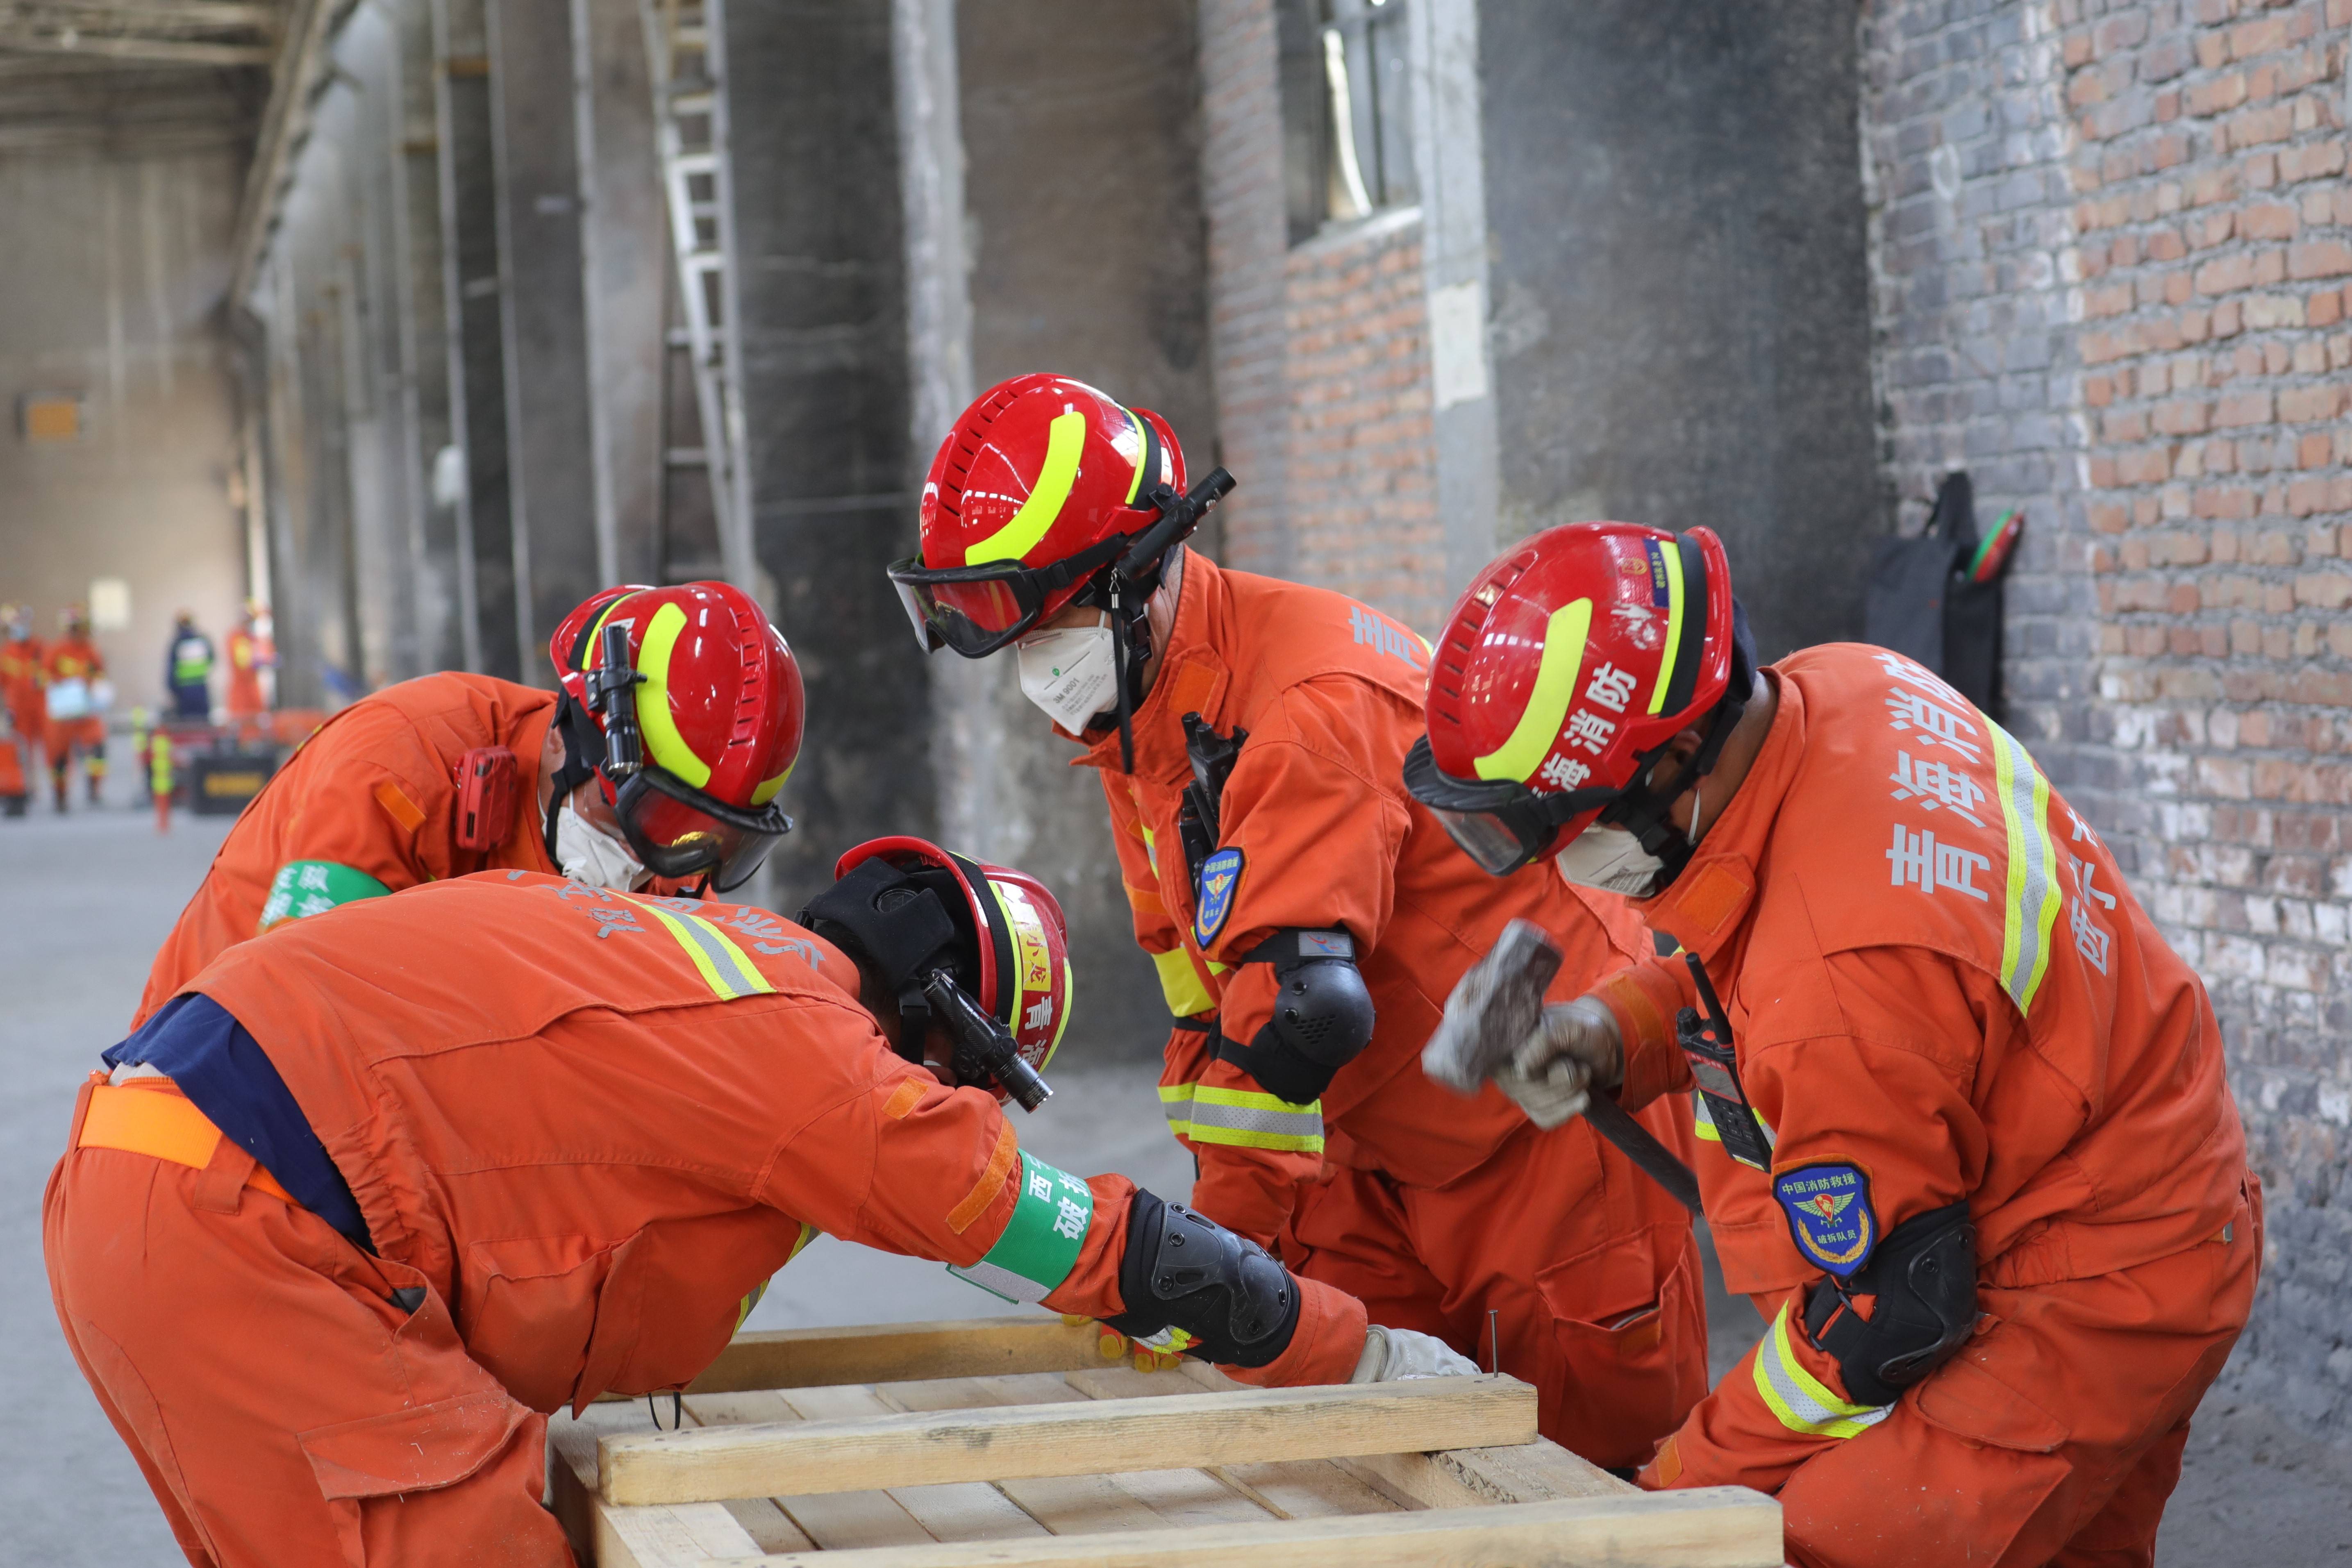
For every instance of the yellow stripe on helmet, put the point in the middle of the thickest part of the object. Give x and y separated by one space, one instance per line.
660 730
1547 705
1671 554
767 789
1142 455
1066 439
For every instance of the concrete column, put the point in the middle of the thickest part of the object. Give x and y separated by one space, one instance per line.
436 563
1088 257
477 403
541 289
624 248
821 264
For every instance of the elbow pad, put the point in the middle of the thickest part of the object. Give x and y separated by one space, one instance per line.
1922 1279
1183 1271
1322 1015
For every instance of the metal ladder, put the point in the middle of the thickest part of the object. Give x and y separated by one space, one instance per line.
685 54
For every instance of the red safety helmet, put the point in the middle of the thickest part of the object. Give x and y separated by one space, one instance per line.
691 765
1044 489
1560 676
1009 954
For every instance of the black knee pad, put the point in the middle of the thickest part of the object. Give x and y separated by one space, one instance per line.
1923 1281
1184 1270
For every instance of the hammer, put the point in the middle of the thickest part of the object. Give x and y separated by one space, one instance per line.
1496 1006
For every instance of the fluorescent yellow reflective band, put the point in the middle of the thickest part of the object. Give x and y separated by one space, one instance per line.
722 965
1064 440
1548 704
1181 983
768 787
1241 1118
1142 451
662 738
2033 903
1802 1401
1671 554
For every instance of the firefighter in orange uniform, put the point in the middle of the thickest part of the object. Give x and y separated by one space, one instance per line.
450 774
72 671
1969 1146
405 1178
20 682
1307 918
250 651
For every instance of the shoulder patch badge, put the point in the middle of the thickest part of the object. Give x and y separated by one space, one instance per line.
1828 1215
1212 900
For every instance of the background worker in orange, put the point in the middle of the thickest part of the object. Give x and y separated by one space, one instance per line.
1307 918
1971 1150
72 672
450 774
419 1171
20 680
251 650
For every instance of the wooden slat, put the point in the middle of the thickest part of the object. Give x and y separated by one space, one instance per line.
656 1537
1304 1488
832 1521
1715 1527
894 1352
961 1511
710 1464
1541 1471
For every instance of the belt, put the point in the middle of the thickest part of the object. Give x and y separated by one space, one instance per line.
163 1123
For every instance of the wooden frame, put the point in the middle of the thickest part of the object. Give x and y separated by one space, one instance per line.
1007 1442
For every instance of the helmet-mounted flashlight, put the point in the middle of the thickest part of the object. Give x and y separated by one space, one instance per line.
624 750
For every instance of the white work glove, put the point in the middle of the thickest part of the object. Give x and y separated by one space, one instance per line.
1574 1050
1392 1355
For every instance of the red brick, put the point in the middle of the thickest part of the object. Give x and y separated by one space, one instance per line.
2319 258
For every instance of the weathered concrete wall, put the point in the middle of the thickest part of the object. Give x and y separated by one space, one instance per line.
1680 314
1082 190
823 295
2111 242
115 269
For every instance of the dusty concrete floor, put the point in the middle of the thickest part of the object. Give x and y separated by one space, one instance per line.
84 901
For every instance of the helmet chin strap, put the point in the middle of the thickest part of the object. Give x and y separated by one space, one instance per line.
579 764
1646 811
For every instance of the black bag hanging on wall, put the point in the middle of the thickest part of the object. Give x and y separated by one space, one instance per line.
1926 599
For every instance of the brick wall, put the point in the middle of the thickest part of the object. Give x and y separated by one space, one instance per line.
2110 244
1321 355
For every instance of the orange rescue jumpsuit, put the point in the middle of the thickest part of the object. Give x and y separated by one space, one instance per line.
74 659
583 1125
367 807
1433 1208
20 689
247 656
1937 984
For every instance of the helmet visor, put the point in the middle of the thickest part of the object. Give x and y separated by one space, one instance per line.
677 831
1501 823
975 610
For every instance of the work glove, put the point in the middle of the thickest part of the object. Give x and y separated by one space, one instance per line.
1392 1355
1574 1050
1157 1352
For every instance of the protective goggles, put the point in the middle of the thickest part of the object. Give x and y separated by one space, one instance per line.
677 832
1500 823
977 610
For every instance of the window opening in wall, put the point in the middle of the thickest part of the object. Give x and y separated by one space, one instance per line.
1346 131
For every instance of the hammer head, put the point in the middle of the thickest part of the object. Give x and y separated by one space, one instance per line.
1493 1008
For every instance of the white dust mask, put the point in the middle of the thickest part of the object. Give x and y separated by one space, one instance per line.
1612 861
1071 673
590 855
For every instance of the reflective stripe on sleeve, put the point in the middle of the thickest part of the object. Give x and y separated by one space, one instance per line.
2032 906
1703 1124
722 965
1181 983
1241 1118
1802 1401
1040 1243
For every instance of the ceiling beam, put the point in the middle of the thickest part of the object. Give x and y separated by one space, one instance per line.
285 124
153 52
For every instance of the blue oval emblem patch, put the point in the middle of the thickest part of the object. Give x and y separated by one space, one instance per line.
1213 899
1828 1215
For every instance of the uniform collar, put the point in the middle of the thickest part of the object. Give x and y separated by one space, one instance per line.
1194 678
1706 909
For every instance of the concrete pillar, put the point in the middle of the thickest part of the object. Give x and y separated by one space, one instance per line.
541 285
1076 126
624 246
824 383
1681 312
476 356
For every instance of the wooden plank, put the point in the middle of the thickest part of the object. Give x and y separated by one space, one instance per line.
1304 1488
895 1353
1318 1422
1541 1471
831 1520
1715 1527
656 1537
1126 1383
962 1511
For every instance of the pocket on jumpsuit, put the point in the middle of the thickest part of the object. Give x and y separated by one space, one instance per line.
533 1310
1615 1384
407 1451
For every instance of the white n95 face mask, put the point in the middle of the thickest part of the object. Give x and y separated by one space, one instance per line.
1612 861
1071 673
591 855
